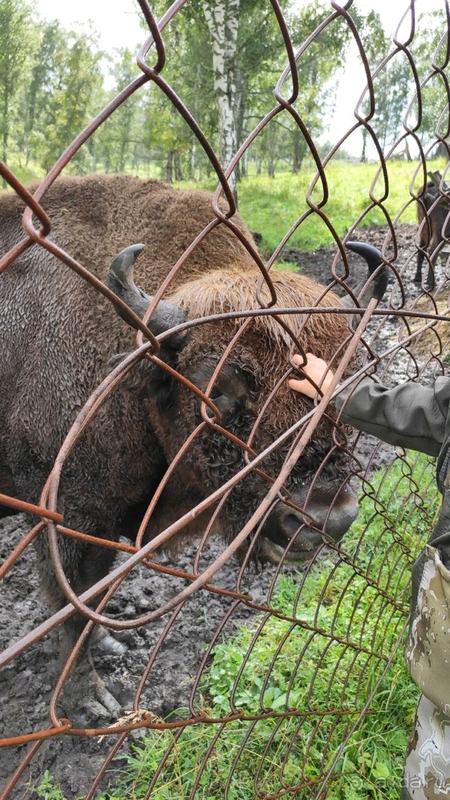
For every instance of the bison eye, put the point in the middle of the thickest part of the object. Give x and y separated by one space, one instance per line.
224 402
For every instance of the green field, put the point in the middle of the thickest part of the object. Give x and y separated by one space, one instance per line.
272 206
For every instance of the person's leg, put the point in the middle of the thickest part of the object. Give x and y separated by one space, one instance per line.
427 654
427 765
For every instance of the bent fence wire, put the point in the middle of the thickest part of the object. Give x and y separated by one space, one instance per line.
277 713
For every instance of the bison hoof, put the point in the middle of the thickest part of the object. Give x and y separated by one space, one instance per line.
107 643
108 701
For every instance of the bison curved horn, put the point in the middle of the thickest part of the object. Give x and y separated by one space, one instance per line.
120 281
374 260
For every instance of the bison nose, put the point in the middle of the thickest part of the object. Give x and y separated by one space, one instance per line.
333 514
325 513
286 523
291 524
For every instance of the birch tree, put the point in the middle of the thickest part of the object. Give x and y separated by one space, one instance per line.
222 17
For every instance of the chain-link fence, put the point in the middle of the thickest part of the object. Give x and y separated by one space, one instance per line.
259 631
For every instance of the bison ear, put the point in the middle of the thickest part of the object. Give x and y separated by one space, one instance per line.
120 281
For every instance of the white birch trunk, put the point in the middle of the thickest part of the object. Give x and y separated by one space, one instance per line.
222 17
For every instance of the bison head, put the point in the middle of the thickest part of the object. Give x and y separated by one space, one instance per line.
253 403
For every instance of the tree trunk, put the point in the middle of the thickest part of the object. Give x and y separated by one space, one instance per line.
191 163
121 164
239 106
271 150
169 167
222 17
407 151
244 165
5 120
5 131
177 166
299 151
363 158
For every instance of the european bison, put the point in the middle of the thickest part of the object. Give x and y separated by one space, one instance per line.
58 337
432 212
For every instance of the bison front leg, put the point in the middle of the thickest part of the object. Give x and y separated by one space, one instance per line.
83 565
425 235
418 275
430 281
432 254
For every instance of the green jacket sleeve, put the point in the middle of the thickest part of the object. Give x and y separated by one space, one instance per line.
408 415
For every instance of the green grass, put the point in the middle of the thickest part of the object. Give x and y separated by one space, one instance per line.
272 206
359 606
25 173
48 789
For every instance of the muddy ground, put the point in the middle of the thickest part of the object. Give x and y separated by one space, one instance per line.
26 683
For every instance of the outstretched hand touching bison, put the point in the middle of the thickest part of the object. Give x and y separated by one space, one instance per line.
316 371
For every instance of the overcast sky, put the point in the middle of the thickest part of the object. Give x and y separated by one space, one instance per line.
115 20
118 26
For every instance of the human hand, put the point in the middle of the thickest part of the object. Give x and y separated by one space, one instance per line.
316 369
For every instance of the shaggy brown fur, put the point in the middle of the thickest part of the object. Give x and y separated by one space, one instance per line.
96 216
221 291
57 335
263 350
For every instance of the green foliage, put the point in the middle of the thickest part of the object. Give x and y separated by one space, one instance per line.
48 789
52 83
392 85
429 50
292 667
50 87
75 97
15 46
112 142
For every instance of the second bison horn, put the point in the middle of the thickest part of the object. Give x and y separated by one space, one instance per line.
120 281
374 261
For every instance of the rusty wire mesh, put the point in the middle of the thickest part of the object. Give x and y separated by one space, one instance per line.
302 754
